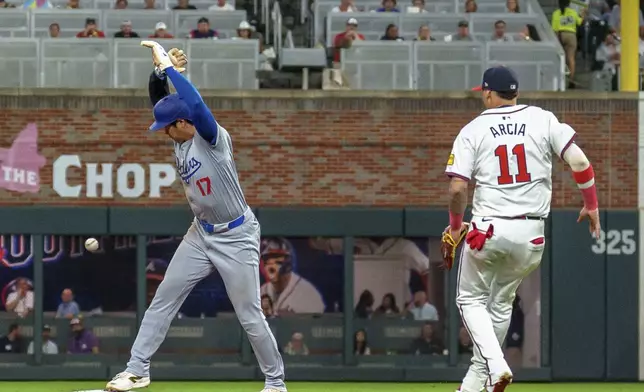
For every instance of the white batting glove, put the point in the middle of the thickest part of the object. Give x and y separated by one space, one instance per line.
159 56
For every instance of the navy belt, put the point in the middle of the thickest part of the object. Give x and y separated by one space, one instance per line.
210 228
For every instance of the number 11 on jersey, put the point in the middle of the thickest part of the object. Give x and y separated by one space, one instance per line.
504 165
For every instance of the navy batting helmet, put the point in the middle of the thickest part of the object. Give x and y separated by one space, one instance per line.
278 247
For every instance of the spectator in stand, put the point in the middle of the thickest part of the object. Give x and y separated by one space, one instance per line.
465 345
391 34
529 33
222 5
388 6
120 4
4 4
364 308
150 5
296 345
184 5
48 345
615 20
420 309
82 341
424 34
73 4
126 31
565 21
462 34
267 306
54 30
471 6
388 306
426 344
360 344
11 343
345 39
607 58
21 300
499 32
512 6
68 308
345 6
203 30
91 30
160 31
417 7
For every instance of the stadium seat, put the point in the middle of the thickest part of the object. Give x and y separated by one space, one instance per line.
19 62
71 21
226 22
228 64
14 23
448 66
383 65
133 65
143 22
77 63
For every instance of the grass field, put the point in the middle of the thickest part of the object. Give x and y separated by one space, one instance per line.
310 387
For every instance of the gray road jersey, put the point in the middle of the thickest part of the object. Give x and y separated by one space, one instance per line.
209 178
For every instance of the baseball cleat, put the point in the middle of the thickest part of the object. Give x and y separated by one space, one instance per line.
504 381
273 390
126 381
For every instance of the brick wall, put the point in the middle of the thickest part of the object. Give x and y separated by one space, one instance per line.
314 149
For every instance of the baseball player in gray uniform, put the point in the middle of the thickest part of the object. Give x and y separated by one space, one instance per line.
225 235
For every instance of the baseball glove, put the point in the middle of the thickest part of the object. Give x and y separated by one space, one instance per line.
449 245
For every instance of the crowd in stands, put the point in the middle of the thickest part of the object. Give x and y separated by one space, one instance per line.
20 304
461 31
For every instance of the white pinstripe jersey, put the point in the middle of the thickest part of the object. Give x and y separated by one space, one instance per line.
508 152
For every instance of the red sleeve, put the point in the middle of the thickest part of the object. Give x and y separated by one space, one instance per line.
338 40
192 34
170 36
101 34
361 37
80 35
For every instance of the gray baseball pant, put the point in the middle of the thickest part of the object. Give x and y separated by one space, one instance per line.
235 255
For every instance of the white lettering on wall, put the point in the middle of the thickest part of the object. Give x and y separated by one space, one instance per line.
131 179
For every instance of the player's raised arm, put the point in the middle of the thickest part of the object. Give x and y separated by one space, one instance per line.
158 84
562 138
157 87
200 115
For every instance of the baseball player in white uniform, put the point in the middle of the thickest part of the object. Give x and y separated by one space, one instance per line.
507 151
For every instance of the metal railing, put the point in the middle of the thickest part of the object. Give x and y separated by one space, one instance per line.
454 66
114 63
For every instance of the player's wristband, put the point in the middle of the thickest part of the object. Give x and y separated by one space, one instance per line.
455 220
159 73
585 180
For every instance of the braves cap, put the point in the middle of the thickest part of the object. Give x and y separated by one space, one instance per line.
500 79
168 110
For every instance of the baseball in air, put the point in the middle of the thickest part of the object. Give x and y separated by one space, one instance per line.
91 244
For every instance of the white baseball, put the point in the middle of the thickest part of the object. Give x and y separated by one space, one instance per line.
91 244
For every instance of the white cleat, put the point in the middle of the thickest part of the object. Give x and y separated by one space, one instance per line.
273 390
126 381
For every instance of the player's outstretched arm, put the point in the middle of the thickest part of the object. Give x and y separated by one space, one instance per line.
202 118
157 87
584 175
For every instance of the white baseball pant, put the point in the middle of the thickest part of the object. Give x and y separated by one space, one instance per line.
487 283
